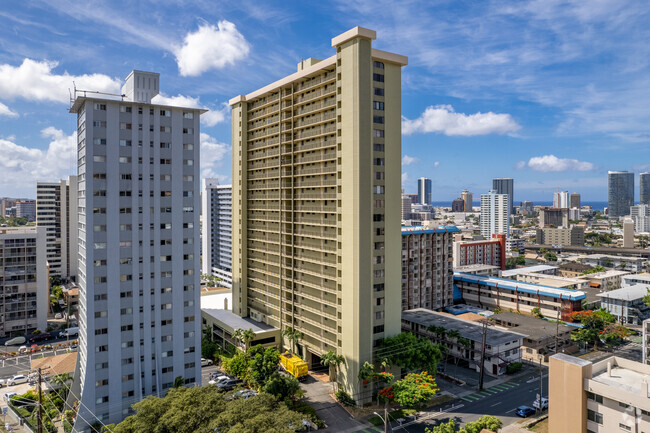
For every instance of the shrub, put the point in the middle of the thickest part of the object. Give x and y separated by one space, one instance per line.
344 398
514 367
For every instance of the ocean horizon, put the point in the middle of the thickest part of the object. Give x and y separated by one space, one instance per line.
596 205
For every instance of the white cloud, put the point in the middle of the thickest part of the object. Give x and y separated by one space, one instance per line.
442 119
551 163
436 163
22 166
6 111
405 178
211 47
213 117
34 80
408 160
520 165
213 153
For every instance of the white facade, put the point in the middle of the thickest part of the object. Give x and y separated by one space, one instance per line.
216 254
494 214
641 217
56 212
561 199
24 284
138 174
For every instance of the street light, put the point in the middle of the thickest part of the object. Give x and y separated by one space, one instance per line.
539 400
384 419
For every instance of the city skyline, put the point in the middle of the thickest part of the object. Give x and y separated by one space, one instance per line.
505 93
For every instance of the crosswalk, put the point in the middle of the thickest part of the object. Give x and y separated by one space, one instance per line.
489 391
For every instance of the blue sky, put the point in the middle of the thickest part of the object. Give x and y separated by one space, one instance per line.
551 93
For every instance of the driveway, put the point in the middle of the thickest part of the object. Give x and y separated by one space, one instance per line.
336 418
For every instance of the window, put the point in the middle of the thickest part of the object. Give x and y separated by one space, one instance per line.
378 133
99 228
125 143
101 365
125 176
188 115
378 65
99 263
594 416
99 280
379 246
165 129
125 109
378 147
99 141
126 277
101 331
624 427
125 193
99 193
125 159
99 210
125 244
165 161
378 78
101 349
188 178
595 397
188 209
188 193
188 130
378 119
378 189
125 210
165 145
379 91
378 161
125 227
124 125
378 105
165 113
100 107
378 217
623 405
99 123
165 177
188 162
378 329
188 146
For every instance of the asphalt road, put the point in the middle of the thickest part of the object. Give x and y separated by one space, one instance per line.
500 401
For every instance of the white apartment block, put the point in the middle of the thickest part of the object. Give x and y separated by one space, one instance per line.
494 214
56 212
641 217
216 236
561 199
139 309
23 281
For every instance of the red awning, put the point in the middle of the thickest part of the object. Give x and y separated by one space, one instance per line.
594 285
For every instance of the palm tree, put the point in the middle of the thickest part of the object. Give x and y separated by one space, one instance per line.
332 360
238 335
248 336
293 335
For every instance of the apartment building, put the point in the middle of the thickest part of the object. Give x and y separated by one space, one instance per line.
424 190
505 185
26 209
427 274
574 201
216 236
139 310
641 216
406 207
633 264
23 281
495 216
561 199
468 200
620 193
561 236
491 252
316 188
56 212
490 292
602 397
553 217
645 331
513 244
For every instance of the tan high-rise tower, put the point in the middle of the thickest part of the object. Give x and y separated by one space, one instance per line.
316 193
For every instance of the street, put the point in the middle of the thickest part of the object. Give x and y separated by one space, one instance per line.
499 400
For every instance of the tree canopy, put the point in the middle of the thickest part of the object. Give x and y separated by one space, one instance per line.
206 410
414 390
410 352
487 422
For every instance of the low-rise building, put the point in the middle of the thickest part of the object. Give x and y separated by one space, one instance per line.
491 252
487 270
626 303
608 280
465 344
490 292
542 337
603 397
632 264
552 281
537 269
515 244
561 236
427 274
573 269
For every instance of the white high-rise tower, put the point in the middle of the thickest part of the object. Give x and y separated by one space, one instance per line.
138 249
495 214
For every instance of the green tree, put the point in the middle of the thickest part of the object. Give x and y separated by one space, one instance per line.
244 336
366 372
63 381
594 270
210 280
414 390
179 381
283 387
262 363
294 336
332 360
487 422
445 427
235 365
535 311
410 352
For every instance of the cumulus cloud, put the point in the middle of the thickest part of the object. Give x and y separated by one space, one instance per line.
551 163
408 160
211 47
442 119
36 81
6 111
219 115
436 163
213 153
22 166
405 178
211 118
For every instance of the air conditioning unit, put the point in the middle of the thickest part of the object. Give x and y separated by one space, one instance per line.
255 315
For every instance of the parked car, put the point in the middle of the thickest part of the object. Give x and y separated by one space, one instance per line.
524 411
206 362
544 403
18 379
228 385
3 383
8 395
245 393
70 332
58 316
40 337
218 379
15 341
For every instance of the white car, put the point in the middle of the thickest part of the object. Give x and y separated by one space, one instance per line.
18 379
9 395
218 379
58 316
544 403
206 362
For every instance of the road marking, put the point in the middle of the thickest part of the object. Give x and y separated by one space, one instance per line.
495 404
511 410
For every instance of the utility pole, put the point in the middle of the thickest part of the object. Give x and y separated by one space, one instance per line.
40 404
557 324
480 378
385 420
540 381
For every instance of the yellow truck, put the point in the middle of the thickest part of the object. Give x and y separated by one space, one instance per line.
294 365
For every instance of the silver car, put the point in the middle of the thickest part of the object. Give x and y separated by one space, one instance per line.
18 379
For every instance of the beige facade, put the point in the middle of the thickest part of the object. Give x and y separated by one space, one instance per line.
316 197
607 396
561 236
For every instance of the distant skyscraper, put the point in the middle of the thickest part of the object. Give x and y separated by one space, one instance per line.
644 181
26 209
505 186
641 217
458 205
526 207
216 236
139 249
574 200
620 193
494 214
424 190
468 199
56 212
561 199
